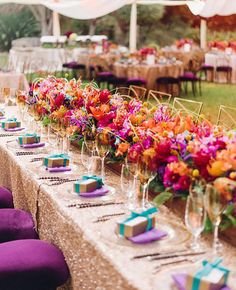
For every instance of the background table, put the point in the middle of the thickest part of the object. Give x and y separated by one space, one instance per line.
222 59
14 80
96 257
148 72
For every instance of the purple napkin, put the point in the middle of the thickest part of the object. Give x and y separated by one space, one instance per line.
2 117
14 129
180 281
98 192
34 145
148 237
58 169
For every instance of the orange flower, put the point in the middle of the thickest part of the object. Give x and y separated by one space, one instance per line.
216 168
99 112
122 148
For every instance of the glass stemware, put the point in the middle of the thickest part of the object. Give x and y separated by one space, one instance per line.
146 175
87 158
215 206
128 185
195 217
53 139
103 145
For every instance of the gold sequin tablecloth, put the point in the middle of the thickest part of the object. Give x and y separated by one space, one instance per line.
97 258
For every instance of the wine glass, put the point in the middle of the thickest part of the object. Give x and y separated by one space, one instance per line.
87 158
6 94
195 217
53 139
146 175
128 185
215 205
89 140
103 145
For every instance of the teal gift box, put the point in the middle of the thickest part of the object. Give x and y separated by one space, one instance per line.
137 223
28 139
11 123
57 160
211 277
88 184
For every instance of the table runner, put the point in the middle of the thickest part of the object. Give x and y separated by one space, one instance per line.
97 259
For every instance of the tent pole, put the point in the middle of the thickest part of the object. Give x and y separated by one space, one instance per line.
133 28
203 34
56 28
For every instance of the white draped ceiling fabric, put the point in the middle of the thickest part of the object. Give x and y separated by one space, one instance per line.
90 9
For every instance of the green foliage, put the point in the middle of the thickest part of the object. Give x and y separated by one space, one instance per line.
162 198
221 35
13 26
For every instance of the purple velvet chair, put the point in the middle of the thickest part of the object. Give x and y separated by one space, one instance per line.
16 224
103 78
76 68
31 265
190 77
6 198
168 83
224 69
136 82
117 82
206 68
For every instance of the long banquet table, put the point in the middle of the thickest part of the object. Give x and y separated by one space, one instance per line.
97 258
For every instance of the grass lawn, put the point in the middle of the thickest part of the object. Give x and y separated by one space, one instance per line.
214 95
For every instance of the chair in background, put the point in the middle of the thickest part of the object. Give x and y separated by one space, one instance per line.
168 84
187 107
207 70
223 68
140 91
227 117
158 97
116 82
136 82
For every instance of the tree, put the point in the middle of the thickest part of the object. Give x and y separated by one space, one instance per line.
44 16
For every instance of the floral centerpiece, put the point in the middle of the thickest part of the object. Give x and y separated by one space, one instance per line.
176 147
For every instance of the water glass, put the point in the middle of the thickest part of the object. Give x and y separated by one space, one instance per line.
215 206
128 185
87 158
195 217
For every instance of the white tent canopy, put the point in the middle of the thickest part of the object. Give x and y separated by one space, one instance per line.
90 9
220 7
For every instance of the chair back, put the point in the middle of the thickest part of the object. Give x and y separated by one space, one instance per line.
140 91
126 93
227 117
187 107
157 97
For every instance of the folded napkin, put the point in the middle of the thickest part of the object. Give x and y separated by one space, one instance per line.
2 117
34 145
14 129
97 192
180 281
148 237
58 169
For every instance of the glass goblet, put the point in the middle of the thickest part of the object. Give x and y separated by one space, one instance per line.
103 146
215 205
128 185
146 175
87 158
195 217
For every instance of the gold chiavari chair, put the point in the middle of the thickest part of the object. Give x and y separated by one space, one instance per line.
187 107
126 92
227 117
140 91
156 97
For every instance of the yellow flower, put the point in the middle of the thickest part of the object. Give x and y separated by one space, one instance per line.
135 138
195 173
232 175
216 168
